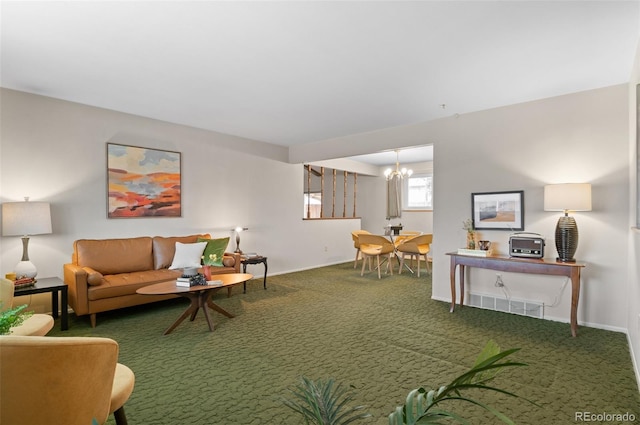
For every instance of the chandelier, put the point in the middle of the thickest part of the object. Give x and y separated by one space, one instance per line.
401 173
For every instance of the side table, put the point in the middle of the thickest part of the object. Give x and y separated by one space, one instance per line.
254 260
52 285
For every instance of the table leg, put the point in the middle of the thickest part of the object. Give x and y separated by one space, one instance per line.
575 295
54 304
461 285
193 314
202 302
191 310
219 309
452 278
264 282
244 284
64 320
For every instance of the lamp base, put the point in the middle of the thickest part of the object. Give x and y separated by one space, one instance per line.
25 269
566 239
565 260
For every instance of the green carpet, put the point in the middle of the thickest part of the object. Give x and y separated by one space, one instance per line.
383 337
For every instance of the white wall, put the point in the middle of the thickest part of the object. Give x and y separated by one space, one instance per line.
633 283
581 137
578 137
55 151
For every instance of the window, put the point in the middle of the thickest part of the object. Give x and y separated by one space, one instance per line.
312 205
419 192
329 193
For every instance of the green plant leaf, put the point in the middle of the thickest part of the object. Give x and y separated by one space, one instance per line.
324 403
423 407
12 317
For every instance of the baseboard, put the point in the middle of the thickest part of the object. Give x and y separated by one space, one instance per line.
555 319
633 361
310 267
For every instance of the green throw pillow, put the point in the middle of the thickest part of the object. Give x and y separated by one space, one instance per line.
214 251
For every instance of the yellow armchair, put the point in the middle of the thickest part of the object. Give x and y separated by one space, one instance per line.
417 246
62 380
356 244
376 246
35 325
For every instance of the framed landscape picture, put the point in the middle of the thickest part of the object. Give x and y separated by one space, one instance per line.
498 210
143 182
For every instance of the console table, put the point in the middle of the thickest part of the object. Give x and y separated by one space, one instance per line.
518 265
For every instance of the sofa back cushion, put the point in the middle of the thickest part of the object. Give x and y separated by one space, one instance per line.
112 256
164 249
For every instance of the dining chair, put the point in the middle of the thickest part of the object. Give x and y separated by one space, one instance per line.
62 380
404 235
376 246
356 244
417 246
34 325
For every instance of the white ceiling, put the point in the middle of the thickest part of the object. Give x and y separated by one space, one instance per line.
305 71
404 156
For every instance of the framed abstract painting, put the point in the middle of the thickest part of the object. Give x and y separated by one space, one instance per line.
143 182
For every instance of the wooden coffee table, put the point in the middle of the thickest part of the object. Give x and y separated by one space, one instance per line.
199 296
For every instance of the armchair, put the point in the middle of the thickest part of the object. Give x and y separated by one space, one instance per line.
376 246
416 246
404 235
356 244
69 380
35 325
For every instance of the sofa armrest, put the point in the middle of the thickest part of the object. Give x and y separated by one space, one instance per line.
237 258
76 279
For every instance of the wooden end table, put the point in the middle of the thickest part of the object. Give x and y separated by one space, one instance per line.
254 260
199 296
52 285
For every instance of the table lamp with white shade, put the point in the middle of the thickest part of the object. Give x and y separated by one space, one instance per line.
567 197
26 219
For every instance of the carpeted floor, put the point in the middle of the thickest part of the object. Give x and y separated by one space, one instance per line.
383 337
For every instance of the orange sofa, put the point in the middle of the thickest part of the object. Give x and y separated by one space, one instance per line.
104 274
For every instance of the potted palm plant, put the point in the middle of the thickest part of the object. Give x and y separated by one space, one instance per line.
426 407
322 402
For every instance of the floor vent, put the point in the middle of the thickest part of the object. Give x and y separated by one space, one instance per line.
521 307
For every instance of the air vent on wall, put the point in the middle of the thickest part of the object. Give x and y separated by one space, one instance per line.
521 307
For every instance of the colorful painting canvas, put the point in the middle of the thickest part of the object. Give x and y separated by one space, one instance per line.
143 182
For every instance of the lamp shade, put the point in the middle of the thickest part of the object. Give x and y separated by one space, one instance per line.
26 218
567 197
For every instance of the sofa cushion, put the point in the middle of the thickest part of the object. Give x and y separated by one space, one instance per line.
118 285
111 256
214 251
164 249
188 255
